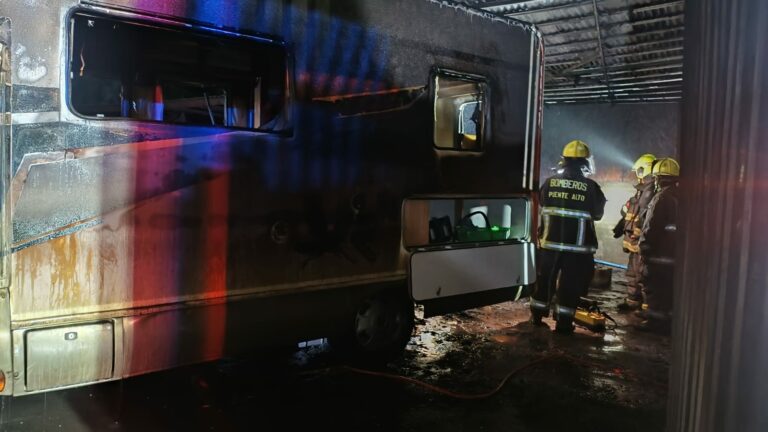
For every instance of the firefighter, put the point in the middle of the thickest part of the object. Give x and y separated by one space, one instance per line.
630 227
570 205
657 247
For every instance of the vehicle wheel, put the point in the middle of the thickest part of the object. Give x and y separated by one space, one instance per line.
382 326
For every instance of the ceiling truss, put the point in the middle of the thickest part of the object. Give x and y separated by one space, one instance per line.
605 51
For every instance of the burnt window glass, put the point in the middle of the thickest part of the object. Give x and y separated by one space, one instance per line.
459 112
137 70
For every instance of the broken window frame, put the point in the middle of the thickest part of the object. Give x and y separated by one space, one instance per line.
483 102
280 124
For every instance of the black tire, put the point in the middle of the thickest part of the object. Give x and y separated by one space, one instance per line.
380 329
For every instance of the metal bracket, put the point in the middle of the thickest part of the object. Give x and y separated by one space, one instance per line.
598 31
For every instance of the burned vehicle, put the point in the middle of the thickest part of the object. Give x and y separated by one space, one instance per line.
185 180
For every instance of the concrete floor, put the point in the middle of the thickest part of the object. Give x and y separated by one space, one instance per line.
586 382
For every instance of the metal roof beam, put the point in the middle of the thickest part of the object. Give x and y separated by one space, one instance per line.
577 64
616 91
595 78
618 36
650 52
672 81
573 19
619 95
499 8
618 80
612 26
650 43
661 61
604 13
623 87
619 47
664 76
632 101
673 68
658 6
504 7
595 82
618 56
616 95
630 69
605 98
488 5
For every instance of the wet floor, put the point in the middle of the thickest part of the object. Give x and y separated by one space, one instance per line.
452 378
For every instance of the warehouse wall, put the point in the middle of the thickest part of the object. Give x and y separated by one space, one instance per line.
718 376
617 135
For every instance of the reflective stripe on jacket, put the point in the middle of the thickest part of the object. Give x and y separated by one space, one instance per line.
635 213
570 205
564 312
572 237
539 305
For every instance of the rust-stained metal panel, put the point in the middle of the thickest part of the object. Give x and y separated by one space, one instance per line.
719 378
84 353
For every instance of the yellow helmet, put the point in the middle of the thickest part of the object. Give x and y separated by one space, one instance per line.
644 165
666 167
576 149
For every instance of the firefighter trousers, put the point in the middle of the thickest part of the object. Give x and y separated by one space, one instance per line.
635 272
566 274
658 286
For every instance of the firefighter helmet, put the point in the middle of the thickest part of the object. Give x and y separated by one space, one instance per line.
666 167
644 165
576 149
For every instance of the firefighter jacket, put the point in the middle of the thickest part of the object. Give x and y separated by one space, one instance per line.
633 214
657 242
570 205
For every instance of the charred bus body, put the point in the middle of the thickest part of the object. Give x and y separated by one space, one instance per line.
183 180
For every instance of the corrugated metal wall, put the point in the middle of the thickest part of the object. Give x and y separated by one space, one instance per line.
719 376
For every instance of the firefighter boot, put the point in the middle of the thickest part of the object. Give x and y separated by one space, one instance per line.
653 325
539 310
536 319
642 311
564 317
564 326
628 305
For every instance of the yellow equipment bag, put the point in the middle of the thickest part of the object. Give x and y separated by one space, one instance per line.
589 315
594 321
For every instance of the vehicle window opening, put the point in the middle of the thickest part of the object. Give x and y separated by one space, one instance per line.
132 70
459 112
447 221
